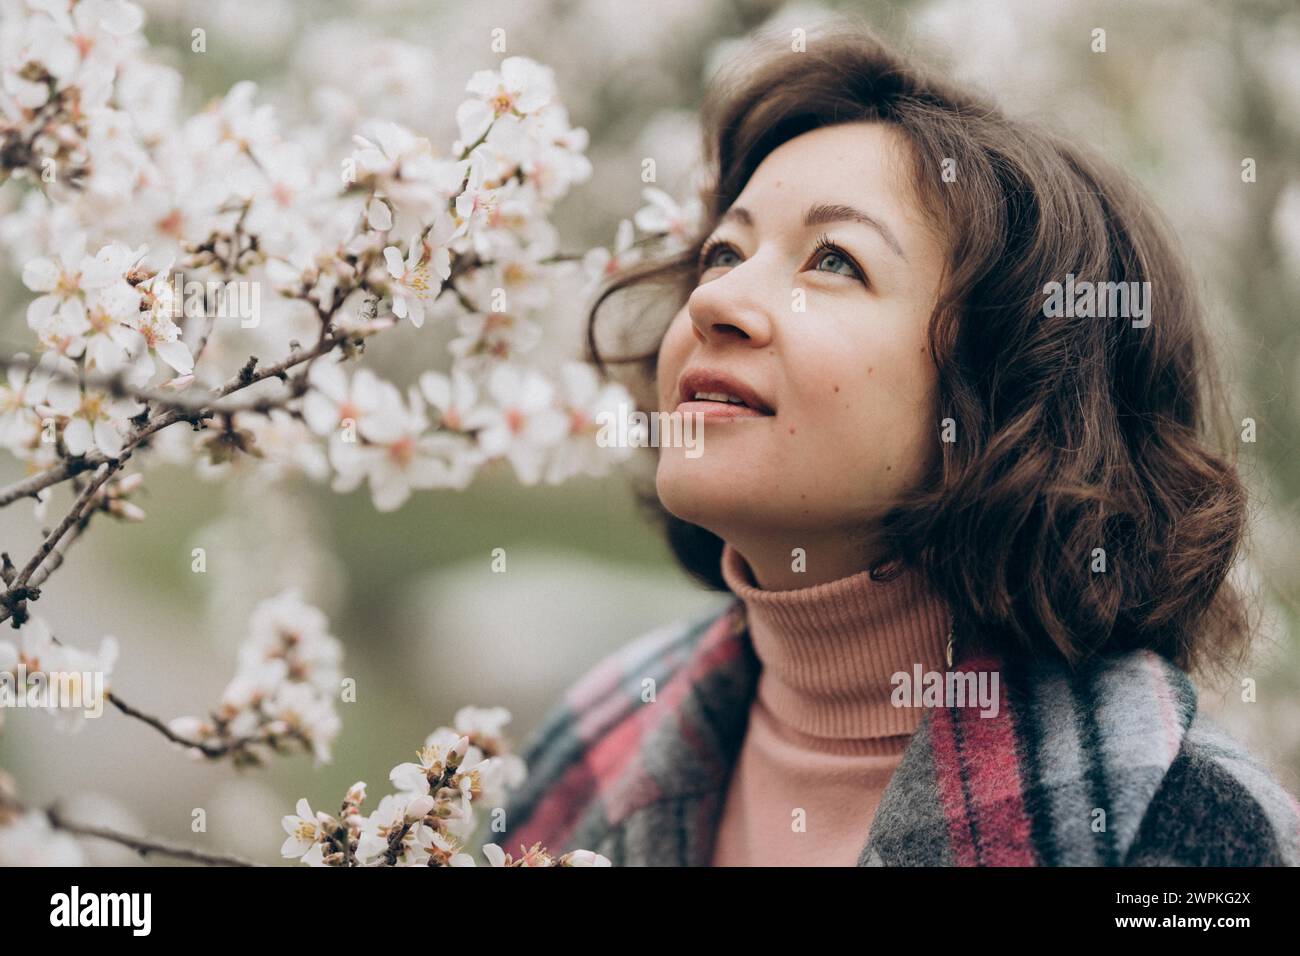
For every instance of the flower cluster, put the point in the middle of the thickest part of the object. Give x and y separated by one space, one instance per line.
282 244
431 816
60 64
165 252
26 836
63 681
283 692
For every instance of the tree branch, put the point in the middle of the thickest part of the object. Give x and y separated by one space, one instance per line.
186 411
20 591
142 845
208 750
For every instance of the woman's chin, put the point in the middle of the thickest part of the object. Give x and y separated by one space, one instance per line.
706 494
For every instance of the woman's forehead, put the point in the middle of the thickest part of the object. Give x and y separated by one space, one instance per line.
862 165
845 154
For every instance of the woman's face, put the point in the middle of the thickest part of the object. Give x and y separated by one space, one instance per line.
830 341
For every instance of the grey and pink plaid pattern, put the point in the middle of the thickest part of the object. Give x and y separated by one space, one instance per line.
1110 766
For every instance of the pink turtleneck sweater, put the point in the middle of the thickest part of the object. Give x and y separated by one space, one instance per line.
823 738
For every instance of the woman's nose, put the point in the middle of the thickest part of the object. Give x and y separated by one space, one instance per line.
731 307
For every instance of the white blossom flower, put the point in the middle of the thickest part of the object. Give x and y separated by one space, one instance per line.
195 730
110 338
532 857
156 331
30 840
365 405
585 858
522 86
554 160
35 649
96 308
284 686
241 702
491 337
397 812
457 857
76 667
456 398
80 675
517 278
356 794
482 722
404 170
94 418
150 93
286 628
589 403
527 425
304 710
41 41
21 392
486 725
234 126
304 835
413 281
65 280
664 216
86 20
414 777
412 458
120 157
485 779
600 263
393 151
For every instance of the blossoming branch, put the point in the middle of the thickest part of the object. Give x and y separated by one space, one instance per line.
168 255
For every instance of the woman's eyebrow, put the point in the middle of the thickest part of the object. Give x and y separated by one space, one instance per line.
820 214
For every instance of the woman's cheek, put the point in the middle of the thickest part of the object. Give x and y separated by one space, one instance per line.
860 420
673 351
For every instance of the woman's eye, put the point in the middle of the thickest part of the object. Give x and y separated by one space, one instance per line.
826 258
716 257
837 263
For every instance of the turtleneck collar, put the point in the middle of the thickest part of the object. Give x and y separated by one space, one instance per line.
829 650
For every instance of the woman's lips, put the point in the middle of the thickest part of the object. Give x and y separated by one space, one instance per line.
720 410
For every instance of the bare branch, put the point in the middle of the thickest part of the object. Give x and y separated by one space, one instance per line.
162 728
20 591
143 845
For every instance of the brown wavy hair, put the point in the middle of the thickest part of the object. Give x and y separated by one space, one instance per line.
1071 433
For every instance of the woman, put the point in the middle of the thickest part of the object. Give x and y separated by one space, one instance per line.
920 462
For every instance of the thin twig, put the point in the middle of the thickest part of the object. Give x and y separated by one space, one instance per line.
142 845
20 590
208 750
55 562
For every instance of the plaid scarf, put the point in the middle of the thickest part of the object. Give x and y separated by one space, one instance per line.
1111 765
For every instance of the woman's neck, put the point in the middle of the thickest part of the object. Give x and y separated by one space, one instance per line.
803 560
832 652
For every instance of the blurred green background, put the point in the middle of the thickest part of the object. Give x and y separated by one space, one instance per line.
1185 91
